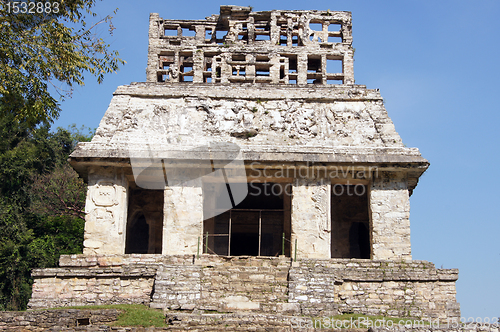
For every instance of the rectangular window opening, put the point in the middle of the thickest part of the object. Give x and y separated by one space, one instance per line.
208 64
170 32
262 37
186 32
316 26
238 72
258 225
261 25
350 222
314 65
334 66
187 57
238 57
333 82
292 64
145 220
334 27
312 81
333 39
208 34
292 81
162 78
262 72
220 36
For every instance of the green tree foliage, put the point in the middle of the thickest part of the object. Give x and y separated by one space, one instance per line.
48 49
14 267
59 193
43 54
36 186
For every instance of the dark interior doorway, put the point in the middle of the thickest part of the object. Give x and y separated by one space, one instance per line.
137 235
350 222
245 244
145 222
254 227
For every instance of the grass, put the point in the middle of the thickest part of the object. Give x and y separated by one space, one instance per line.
132 315
141 315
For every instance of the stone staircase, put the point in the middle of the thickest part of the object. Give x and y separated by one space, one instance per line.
232 284
245 284
311 285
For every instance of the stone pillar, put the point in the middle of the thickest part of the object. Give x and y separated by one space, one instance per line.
302 68
390 213
311 218
198 66
348 67
183 218
154 40
106 212
274 70
274 35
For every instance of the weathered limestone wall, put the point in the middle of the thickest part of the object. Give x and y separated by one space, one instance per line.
102 261
311 218
411 289
106 206
183 218
106 211
63 287
310 287
390 213
355 118
177 287
61 319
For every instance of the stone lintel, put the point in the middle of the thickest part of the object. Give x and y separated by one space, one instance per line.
250 91
136 271
256 153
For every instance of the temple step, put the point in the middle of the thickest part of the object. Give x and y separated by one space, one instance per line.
237 284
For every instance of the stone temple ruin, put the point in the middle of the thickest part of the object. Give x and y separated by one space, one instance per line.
249 173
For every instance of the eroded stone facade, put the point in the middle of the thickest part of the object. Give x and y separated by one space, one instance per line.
244 142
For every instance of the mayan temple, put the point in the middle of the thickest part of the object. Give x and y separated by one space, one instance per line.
249 175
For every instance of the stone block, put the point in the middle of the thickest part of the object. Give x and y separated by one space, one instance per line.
245 305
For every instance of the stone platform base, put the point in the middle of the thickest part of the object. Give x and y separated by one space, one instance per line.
180 321
308 287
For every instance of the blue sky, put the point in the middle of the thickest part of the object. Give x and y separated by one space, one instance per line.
436 64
